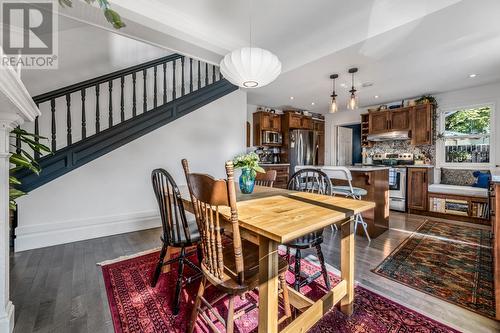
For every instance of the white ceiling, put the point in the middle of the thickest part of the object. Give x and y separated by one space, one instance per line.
405 47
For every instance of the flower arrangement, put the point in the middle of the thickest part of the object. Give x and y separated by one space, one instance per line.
248 161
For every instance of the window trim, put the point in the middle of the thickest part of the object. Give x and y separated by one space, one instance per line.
440 147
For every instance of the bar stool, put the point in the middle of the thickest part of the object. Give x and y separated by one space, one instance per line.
342 173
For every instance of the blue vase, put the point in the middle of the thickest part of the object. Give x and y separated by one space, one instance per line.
247 181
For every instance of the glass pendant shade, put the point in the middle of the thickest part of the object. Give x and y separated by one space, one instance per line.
352 103
250 67
333 106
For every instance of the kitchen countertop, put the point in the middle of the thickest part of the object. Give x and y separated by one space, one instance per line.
362 167
274 164
397 166
495 176
419 166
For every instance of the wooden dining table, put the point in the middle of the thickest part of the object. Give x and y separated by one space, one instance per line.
270 217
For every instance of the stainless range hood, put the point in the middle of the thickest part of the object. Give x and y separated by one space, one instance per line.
389 136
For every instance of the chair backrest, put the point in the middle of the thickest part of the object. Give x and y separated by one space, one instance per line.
173 216
266 179
210 195
310 180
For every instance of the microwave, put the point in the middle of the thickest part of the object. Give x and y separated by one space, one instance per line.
271 138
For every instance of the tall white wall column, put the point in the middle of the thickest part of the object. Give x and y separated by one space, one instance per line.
16 107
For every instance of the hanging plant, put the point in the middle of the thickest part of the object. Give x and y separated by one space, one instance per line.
22 159
110 15
427 99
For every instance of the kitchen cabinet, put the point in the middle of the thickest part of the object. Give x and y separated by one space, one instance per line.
418 183
297 121
306 123
319 126
399 119
264 121
282 174
378 122
422 124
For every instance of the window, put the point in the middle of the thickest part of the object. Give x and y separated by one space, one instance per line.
466 135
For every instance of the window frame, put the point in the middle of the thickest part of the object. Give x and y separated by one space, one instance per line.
440 144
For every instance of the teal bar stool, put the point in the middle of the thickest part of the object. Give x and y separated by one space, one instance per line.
342 173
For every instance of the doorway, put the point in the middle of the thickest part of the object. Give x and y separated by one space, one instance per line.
349 144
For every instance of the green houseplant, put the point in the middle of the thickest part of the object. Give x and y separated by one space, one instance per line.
249 165
111 16
23 159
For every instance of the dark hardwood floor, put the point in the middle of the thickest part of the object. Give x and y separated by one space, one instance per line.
60 288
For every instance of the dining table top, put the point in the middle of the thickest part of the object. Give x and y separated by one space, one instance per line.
284 215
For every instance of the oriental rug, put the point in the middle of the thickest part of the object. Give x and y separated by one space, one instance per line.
138 308
448 261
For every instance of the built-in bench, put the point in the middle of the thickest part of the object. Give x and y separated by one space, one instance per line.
457 199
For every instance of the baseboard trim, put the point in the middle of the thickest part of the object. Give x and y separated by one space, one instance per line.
7 319
43 235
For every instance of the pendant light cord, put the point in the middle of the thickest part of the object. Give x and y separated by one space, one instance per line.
250 21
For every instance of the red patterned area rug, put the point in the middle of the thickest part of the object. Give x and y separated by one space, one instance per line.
448 261
138 308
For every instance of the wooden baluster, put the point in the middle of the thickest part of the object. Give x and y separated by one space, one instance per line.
145 92
173 80
84 122
190 75
182 77
122 99
110 117
68 118
97 111
134 96
37 132
53 123
164 83
199 75
213 73
206 74
155 90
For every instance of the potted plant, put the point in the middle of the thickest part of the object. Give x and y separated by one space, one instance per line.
249 165
427 99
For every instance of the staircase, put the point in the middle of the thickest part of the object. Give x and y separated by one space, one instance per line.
89 119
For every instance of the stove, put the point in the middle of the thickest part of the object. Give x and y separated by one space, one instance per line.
397 177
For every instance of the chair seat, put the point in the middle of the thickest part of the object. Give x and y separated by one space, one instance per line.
193 231
251 269
346 190
307 241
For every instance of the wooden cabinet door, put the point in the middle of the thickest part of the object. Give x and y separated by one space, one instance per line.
306 123
276 122
418 182
400 120
379 122
265 121
421 129
294 120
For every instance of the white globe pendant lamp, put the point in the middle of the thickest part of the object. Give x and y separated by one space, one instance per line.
250 67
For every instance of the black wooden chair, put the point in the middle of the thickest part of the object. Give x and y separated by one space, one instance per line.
178 231
314 181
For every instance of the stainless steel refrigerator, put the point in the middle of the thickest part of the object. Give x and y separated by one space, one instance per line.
304 148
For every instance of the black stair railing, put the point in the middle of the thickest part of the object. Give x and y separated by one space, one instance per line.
174 80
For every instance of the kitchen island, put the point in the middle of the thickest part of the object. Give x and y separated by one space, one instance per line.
375 180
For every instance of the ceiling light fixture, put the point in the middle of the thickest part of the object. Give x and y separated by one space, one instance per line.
376 96
472 75
291 97
333 103
250 67
312 103
352 104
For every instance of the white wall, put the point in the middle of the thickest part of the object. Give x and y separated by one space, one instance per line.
113 193
465 97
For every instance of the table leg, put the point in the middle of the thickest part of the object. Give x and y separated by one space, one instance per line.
347 265
268 286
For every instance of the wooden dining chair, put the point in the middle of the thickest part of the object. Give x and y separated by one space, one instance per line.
178 231
230 265
266 179
314 181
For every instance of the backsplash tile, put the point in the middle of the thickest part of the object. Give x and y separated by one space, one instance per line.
428 151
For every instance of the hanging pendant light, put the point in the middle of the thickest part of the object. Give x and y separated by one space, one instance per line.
333 103
250 67
352 103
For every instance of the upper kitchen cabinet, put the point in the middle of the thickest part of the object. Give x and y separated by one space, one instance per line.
399 119
422 124
264 121
378 122
297 121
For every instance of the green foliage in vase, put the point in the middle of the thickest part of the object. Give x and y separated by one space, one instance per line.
249 161
110 15
427 99
23 159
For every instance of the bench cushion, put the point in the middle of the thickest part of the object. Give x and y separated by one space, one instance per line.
467 191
